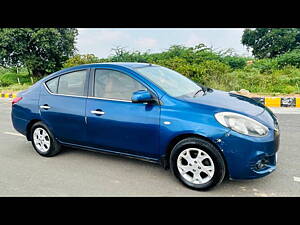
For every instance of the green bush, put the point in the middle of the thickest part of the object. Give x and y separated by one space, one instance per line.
204 72
285 80
265 65
291 58
235 62
210 71
81 59
201 64
9 78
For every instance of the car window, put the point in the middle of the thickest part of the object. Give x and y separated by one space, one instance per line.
115 85
52 85
72 83
172 82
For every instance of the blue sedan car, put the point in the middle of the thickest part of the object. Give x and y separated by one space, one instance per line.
152 113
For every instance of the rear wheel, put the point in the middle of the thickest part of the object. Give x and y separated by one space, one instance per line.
197 164
43 140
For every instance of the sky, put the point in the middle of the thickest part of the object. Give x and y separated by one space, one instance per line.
101 41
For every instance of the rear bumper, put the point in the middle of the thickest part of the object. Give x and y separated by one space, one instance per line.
19 124
250 157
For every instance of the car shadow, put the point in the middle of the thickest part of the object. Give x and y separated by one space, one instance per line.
226 188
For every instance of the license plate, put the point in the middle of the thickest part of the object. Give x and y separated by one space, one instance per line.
276 157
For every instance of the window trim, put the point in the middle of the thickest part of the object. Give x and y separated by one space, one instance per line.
57 77
92 86
86 83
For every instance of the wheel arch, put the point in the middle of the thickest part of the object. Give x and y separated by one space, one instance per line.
165 158
29 126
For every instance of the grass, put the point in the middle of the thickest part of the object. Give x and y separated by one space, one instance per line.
14 88
12 82
276 82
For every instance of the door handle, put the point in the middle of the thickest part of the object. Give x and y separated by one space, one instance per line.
97 112
45 107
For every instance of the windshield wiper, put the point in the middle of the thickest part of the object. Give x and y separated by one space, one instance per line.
204 89
198 92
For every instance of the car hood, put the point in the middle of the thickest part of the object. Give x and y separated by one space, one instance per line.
222 100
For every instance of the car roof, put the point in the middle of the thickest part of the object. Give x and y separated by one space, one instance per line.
130 65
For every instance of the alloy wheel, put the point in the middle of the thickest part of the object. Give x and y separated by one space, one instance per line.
195 166
41 139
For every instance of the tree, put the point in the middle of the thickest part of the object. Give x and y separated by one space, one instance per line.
271 42
41 50
120 54
83 59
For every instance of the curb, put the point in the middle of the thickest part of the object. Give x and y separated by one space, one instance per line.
267 101
279 101
8 95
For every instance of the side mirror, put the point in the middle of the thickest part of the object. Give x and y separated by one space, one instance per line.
141 97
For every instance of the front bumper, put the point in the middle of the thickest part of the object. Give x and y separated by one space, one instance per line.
250 157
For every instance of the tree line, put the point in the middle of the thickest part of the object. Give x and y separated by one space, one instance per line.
46 50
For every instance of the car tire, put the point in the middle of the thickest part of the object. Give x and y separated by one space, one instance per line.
43 140
197 164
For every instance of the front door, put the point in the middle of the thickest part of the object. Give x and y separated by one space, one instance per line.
114 122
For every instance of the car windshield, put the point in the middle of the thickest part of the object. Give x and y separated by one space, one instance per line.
175 84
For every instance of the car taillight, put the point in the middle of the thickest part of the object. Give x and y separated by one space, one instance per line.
15 100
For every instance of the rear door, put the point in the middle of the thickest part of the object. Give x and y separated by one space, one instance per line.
62 106
122 125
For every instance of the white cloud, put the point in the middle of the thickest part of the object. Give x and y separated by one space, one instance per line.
99 41
194 39
93 36
145 43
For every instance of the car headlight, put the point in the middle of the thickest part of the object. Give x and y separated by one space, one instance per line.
241 124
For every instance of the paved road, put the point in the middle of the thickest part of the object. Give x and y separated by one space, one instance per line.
81 173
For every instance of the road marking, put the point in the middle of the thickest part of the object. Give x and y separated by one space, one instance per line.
15 134
297 179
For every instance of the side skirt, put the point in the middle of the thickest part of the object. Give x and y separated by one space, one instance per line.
110 152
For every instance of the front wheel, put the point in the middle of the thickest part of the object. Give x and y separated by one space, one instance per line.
197 164
43 141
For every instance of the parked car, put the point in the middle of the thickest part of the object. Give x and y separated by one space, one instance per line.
152 113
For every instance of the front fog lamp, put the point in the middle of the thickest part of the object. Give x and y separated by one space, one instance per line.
241 124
